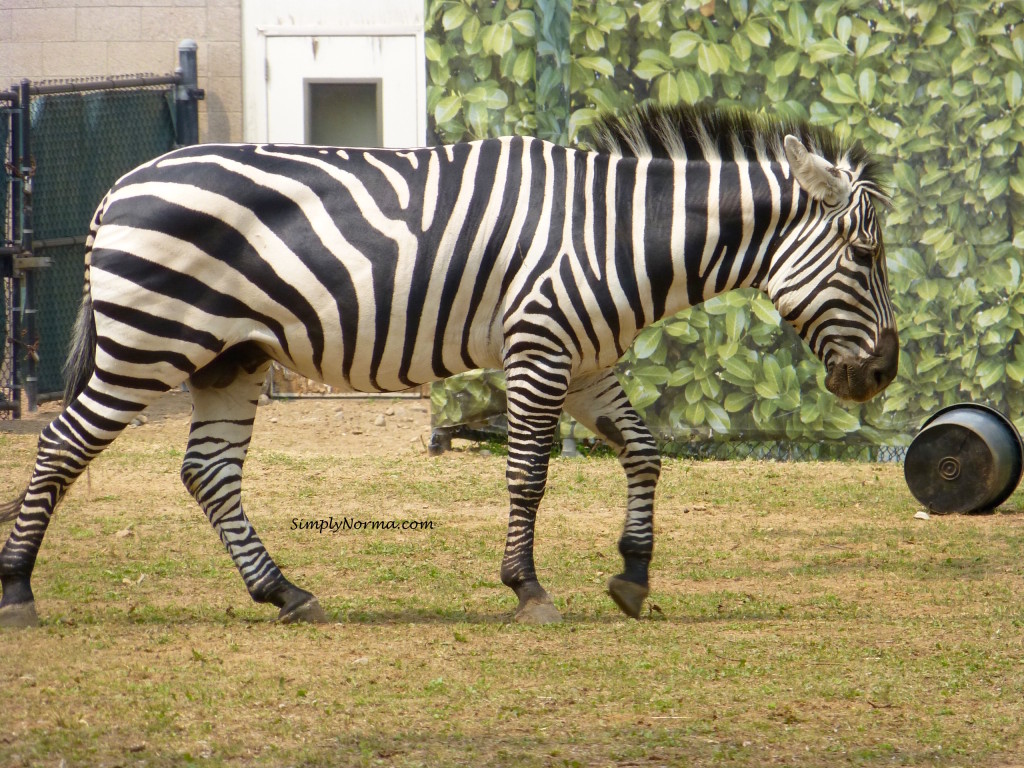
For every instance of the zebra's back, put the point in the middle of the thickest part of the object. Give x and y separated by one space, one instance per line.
367 269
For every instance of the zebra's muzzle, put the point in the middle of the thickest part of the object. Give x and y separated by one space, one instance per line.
861 378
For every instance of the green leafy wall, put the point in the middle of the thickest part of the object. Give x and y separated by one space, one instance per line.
934 89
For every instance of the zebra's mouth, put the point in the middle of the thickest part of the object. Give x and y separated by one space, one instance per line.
861 378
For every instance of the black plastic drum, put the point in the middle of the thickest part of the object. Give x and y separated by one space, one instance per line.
966 458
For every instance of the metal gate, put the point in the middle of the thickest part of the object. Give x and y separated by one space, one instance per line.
65 144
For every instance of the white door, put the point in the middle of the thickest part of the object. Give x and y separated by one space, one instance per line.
345 90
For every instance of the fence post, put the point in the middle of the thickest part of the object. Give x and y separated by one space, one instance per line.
187 95
15 308
29 337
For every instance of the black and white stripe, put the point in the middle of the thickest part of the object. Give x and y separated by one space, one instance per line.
377 270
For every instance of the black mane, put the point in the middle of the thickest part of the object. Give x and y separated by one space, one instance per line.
703 130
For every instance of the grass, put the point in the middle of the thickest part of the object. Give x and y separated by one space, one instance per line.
799 616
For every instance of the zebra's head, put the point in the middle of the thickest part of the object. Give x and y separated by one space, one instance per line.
804 203
828 277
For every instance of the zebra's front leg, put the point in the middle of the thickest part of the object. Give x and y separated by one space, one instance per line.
600 404
535 393
222 421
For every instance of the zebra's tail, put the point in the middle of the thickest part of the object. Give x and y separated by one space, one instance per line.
81 359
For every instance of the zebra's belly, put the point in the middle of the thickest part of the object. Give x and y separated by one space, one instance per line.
389 365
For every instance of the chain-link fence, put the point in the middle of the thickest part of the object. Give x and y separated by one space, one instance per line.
66 144
82 143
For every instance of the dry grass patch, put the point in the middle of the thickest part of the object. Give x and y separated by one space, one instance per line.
799 616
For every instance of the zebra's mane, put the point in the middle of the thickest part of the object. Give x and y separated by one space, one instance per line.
702 130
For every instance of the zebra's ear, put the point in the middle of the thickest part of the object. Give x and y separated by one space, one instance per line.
816 175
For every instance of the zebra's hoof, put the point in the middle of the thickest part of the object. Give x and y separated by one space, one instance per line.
538 611
628 595
19 615
308 612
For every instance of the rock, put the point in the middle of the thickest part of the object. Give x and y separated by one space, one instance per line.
380 421
264 399
922 515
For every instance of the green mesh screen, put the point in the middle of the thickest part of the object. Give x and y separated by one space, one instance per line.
82 143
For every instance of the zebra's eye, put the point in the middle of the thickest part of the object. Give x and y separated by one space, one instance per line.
863 255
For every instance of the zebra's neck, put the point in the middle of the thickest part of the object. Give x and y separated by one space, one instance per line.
683 231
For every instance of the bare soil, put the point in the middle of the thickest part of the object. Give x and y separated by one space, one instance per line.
345 426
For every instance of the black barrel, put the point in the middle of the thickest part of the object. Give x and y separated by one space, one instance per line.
966 458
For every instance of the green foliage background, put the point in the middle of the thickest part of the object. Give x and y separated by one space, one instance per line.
934 89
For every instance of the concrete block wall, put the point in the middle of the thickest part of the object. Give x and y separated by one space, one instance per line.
59 39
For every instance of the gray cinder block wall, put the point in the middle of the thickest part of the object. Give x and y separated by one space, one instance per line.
58 39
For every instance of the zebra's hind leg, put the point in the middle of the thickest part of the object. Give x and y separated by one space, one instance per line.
89 423
535 392
224 396
601 406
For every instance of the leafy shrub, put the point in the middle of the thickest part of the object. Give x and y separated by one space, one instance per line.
934 89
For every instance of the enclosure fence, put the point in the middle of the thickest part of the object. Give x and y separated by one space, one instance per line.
65 144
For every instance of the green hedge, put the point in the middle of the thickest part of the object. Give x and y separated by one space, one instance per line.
934 89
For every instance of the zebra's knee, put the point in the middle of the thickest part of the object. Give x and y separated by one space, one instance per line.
651 466
57 450
642 465
199 473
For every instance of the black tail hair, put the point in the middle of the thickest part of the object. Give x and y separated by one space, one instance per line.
81 361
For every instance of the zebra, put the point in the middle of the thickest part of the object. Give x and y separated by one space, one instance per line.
376 270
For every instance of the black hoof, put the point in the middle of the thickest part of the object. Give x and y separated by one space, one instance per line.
19 615
308 612
535 606
18 606
628 595
537 611
297 605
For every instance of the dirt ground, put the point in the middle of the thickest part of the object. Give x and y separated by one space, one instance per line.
800 615
347 426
